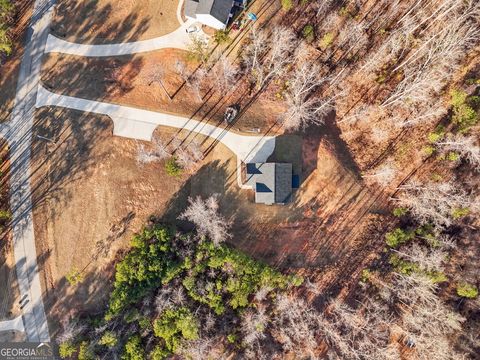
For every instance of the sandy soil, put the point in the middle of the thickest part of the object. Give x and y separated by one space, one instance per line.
110 21
144 81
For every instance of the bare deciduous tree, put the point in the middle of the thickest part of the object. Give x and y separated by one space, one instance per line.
384 174
427 259
71 329
159 152
434 202
466 146
198 48
254 323
200 349
204 214
352 36
223 75
303 108
296 325
189 156
193 80
163 301
425 320
267 56
156 74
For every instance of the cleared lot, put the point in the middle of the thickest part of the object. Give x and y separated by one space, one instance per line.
107 21
91 195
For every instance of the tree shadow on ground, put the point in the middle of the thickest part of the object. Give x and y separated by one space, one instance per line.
83 20
210 180
80 76
62 143
64 301
9 297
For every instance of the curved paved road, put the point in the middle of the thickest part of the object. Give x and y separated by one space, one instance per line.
140 124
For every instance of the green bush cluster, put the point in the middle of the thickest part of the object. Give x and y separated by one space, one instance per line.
459 213
172 167
326 41
408 267
398 237
308 33
467 290
85 352
134 350
108 339
221 36
175 324
238 277
399 212
5 215
287 5
148 265
74 277
6 9
436 135
67 349
464 112
219 277
365 275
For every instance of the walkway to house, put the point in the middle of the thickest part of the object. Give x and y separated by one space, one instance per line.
140 124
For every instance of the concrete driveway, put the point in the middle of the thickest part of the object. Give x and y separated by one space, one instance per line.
178 39
140 124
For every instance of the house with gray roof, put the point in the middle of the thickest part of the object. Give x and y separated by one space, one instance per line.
213 13
272 182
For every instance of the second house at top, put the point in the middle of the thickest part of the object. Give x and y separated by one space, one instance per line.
213 13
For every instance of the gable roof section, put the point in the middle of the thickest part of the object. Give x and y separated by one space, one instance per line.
219 9
283 182
272 182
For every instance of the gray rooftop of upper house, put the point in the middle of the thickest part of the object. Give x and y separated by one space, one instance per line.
219 9
272 182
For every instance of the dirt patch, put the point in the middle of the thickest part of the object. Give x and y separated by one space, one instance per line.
10 66
149 81
109 21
